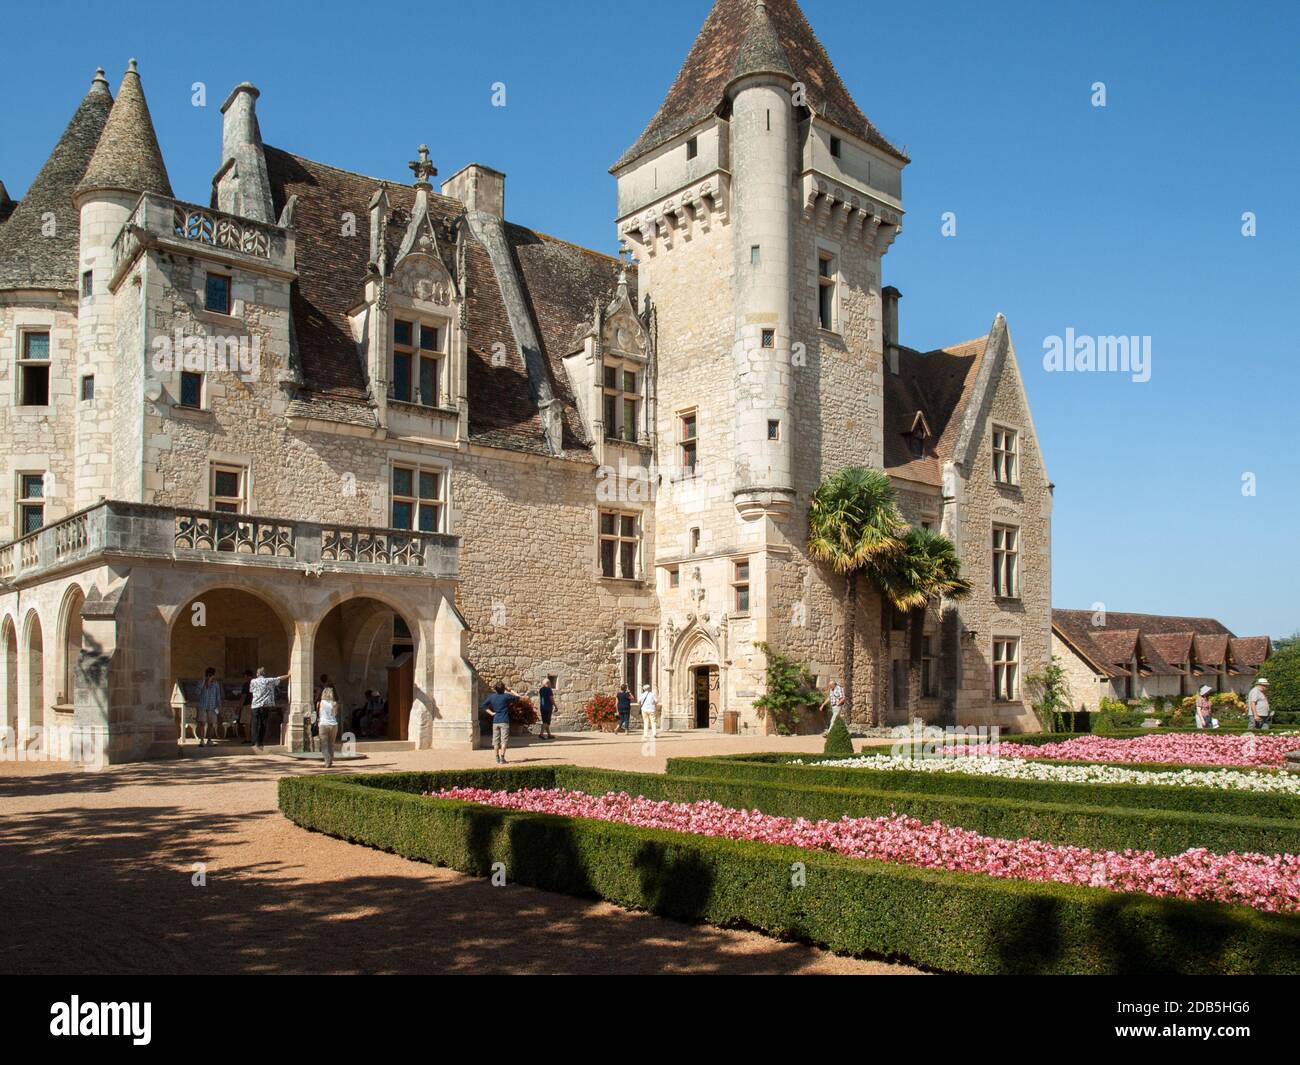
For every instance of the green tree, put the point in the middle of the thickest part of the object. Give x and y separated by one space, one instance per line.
1049 692
853 522
791 689
1283 673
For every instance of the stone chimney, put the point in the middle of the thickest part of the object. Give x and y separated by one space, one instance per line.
479 188
243 184
889 312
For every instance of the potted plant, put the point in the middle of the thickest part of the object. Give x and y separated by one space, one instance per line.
601 712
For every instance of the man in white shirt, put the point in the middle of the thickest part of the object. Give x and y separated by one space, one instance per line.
835 699
649 713
1257 704
263 689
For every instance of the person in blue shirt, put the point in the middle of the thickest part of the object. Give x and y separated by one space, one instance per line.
546 697
498 705
624 709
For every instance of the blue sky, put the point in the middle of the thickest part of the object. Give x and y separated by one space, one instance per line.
1123 220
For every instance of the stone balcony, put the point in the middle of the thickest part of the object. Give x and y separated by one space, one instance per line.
116 531
188 229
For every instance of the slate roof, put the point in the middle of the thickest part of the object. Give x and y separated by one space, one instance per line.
128 156
734 41
937 384
6 204
28 258
562 284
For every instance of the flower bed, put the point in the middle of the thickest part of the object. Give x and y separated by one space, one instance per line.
1189 749
1266 882
1024 768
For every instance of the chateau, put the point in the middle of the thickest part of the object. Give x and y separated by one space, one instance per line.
334 424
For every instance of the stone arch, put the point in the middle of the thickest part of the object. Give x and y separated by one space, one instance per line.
32 673
69 646
9 675
695 649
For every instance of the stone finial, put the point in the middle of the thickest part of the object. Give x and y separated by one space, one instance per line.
423 169
131 67
100 78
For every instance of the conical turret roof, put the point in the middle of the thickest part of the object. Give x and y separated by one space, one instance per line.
40 242
128 156
743 37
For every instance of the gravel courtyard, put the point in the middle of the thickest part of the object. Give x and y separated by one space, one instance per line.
97 871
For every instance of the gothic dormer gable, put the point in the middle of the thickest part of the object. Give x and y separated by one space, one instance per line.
621 329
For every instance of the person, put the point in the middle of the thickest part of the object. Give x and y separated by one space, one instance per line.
263 689
649 712
209 717
246 705
1257 705
624 709
835 699
1204 718
498 705
327 711
546 699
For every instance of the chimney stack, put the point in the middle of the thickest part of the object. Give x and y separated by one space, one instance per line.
479 188
890 297
243 184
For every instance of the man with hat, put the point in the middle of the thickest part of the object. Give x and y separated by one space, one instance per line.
1257 704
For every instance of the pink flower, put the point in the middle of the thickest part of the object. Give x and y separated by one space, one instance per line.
1266 882
1165 748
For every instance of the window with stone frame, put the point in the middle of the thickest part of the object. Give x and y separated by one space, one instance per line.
228 488
34 369
216 293
638 656
1006 456
688 441
1006 562
418 501
740 585
620 544
191 393
827 286
419 360
1006 669
621 392
31 503
927 667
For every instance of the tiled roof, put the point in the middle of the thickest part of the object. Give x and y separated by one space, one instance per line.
1163 642
1211 650
1250 650
561 282
937 384
29 258
1174 647
733 42
128 156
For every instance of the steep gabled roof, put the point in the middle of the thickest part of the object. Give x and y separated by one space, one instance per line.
561 284
937 385
738 39
1211 650
1250 651
30 255
127 156
1162 642
1174 647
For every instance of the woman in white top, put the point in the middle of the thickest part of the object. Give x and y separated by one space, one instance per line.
1204 708
328 724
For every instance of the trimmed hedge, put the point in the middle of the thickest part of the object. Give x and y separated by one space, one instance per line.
957 922
1212 804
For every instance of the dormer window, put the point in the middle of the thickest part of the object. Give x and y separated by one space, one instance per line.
918 436
622 402
418 357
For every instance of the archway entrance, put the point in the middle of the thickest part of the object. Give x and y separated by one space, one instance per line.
704 693
9 675
35 674
236 633
366 651
72 632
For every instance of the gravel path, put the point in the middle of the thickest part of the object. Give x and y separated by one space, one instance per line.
96 871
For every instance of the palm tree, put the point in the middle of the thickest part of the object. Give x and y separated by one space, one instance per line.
925 568
853 525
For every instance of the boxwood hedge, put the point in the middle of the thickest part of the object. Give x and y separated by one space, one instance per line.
957 922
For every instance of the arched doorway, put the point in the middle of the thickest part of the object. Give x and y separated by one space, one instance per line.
9 677
35 648
696 679
70 646
367 650
236 633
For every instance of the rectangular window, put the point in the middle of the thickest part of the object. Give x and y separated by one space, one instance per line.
927 667
769 338
622 399
692 148
88 388
228 489
216 294
1006 561
191 390
638 658
835 147
87 284
756 255
773 430
31 502
1006 670
417 363
430 365
1006 458
418 499
826 284
620 543
740 586
34 370
675 577
689 442
695 540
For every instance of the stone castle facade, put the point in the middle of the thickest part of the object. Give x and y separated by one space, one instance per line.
335 424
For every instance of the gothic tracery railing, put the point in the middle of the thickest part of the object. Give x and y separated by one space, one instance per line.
205 226
238 534
341 543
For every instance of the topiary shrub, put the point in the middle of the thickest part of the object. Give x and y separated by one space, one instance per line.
838 740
